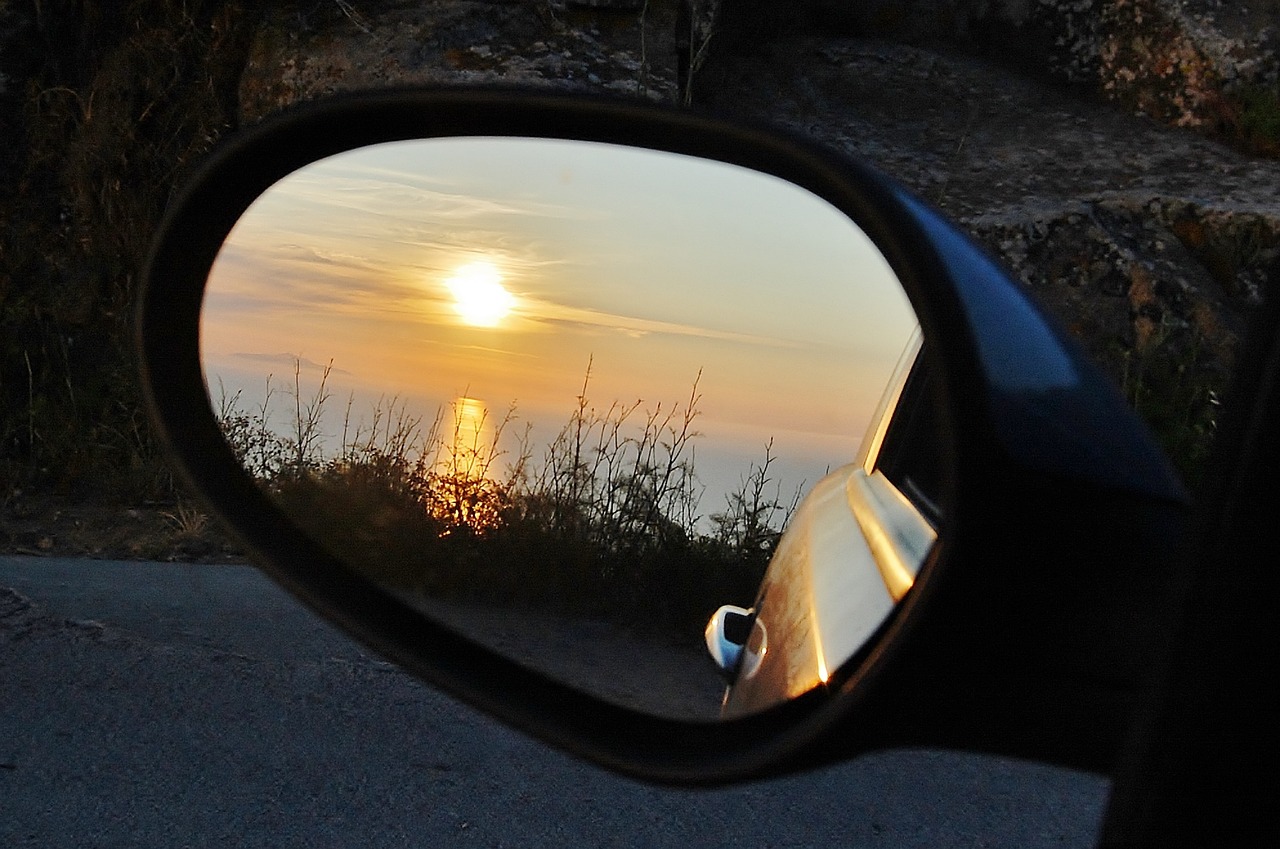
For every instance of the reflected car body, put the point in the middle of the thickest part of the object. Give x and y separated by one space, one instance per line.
848 556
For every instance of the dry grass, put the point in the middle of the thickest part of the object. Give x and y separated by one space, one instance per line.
606 519
109 105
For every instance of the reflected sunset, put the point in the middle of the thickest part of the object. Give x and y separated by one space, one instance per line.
579 383
478 294
507 269
466 447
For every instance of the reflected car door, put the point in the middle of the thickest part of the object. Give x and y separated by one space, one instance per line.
850 553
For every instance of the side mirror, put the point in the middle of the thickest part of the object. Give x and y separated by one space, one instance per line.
982 513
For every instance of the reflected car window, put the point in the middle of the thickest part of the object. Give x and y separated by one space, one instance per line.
911 455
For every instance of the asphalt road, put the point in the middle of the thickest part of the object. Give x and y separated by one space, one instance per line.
147 704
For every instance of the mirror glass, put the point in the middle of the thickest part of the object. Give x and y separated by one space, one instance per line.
564 397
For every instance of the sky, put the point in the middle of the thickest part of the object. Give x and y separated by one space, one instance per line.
501 269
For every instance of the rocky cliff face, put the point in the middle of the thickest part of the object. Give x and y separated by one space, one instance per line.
1150 242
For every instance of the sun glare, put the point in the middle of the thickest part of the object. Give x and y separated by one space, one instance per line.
478 295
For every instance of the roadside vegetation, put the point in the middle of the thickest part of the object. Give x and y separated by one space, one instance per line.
1172 384
603 521
104 108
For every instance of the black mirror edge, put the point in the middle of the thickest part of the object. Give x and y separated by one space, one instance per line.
875 699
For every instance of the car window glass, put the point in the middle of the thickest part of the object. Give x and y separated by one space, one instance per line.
911 457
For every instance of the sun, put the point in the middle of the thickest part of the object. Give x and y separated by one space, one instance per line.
478 295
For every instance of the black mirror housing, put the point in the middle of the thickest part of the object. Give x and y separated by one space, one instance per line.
1030 627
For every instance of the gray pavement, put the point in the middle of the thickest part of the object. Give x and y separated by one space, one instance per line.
148 704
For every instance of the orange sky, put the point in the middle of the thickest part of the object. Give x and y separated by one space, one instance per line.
653 267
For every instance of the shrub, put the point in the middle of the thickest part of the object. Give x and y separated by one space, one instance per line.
605 523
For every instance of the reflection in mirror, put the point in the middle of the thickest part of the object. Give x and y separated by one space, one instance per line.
564 397
848 555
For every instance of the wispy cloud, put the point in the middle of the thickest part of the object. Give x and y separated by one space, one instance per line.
287 360
291 276
562 316
396 196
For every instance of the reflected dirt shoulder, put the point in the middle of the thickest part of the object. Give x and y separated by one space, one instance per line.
658 675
